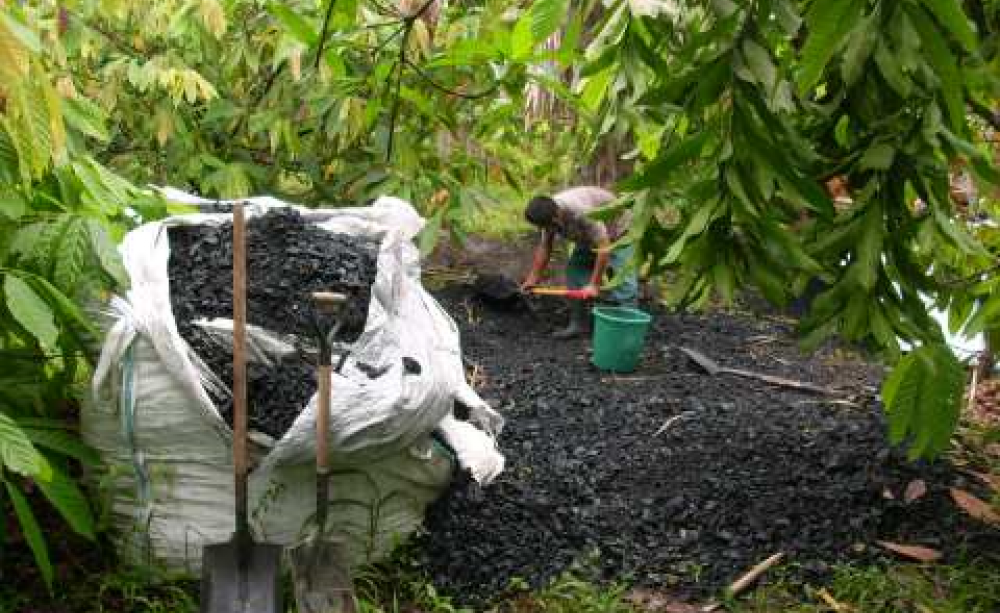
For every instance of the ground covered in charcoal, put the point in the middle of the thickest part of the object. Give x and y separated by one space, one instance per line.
671 478
287 260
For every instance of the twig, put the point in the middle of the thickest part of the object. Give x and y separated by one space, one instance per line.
753 574
423 75
670 422
831 602
394 111
840 401
382 24
972 278
742 583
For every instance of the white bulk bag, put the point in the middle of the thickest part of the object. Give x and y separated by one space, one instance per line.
166 454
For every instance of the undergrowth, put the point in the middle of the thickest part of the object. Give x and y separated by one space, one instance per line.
966 587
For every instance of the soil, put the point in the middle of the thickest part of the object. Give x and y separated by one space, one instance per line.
671 478
287 260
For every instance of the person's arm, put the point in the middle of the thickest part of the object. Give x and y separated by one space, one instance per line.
541 259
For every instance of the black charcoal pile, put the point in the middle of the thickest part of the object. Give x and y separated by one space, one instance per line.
287 260
671 478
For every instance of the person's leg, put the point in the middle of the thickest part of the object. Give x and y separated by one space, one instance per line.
579 267
578 271
626 293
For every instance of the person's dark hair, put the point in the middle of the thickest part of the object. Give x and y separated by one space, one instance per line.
541 211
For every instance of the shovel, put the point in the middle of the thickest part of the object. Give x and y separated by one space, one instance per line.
240 576
503 291
321 577
713 368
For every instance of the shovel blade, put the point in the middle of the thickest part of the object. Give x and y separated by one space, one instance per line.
229 587
322 579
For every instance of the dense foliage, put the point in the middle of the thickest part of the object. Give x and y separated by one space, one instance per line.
329 102
738 114
58 208
762 103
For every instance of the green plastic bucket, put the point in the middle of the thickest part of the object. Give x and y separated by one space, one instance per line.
619 336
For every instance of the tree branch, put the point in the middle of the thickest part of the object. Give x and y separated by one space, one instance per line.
423 75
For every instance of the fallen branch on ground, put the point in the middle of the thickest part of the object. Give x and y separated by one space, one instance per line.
741 584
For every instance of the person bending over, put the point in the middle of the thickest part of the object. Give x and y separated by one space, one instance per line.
565 215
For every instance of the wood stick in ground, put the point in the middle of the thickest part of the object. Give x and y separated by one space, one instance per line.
972 392
744 581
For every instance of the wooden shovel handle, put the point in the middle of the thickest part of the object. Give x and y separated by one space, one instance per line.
239 369
323 418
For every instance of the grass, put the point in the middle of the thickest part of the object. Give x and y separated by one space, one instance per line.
965 587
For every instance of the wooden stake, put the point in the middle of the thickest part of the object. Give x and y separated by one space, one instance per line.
972 391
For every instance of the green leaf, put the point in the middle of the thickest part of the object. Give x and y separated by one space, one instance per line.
12 203
891 71
18 454
293 23
944 63
697 224
30 311
659 169
67 498
596 89
828 22
569 49
62 441
985 316
724 8
878 157
521 41
870 246
787 14
106 252
922 397
546 17
86 117
67 310
859 48
429 235
950 15
21 32
841 131
760 64
32 533
74 247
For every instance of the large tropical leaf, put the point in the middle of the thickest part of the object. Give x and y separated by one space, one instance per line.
923 399
31 531
67 498
828 23
30 311
17 454
62 441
